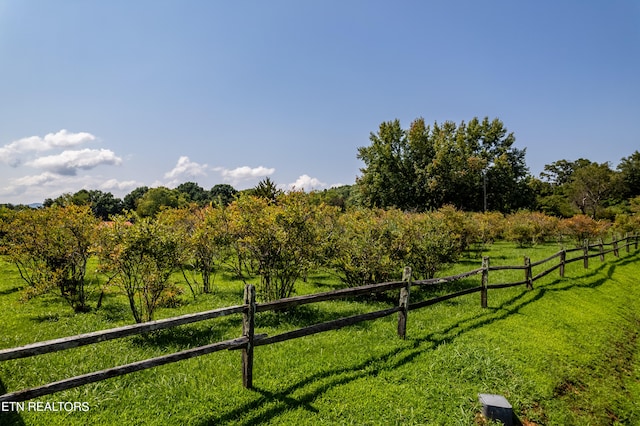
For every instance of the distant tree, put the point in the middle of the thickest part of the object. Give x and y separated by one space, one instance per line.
103 204
340 196
222 194
155 199
193 193
629 169
266 189
553 188
590 186
560 172
130 200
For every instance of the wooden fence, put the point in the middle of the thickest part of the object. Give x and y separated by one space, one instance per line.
249 339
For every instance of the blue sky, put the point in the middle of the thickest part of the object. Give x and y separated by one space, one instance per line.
117 94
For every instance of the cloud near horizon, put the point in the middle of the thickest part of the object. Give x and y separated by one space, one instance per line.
240 174
307 183
11 152
186 167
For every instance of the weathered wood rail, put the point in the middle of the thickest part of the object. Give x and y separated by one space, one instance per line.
249 339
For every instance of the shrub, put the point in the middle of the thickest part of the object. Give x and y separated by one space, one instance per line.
458 224
279 238
140 256
428 244
486 227
50 247
581 227
530 228
362 247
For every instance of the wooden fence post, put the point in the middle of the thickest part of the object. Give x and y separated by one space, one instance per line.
601 247
563 258
636 244
585 249
248 330
616 253
485 281
626 242
528 274
404 302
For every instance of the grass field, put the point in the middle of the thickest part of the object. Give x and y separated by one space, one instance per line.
565 353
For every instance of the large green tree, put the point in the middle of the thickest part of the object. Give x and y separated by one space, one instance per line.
388 178
471 166
591 188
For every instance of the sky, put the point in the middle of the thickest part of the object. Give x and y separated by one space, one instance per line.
113 95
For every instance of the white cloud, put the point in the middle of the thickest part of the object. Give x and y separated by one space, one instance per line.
115 184
186 167
35 180
65 139
40 186
10 153
68 162
243 173
307 183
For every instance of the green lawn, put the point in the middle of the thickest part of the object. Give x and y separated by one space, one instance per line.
565 353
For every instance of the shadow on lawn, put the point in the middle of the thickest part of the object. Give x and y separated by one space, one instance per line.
9 418
10 291
272 403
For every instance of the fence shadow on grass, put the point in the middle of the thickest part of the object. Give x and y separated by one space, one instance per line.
187 336
9 418
10 291
280 401
300 316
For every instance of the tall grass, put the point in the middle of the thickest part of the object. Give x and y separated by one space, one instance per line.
565 353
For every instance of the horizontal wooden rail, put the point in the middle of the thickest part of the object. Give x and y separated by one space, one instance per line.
506 267
540 262
545 272
98 376
507 285
443 280
329 295
573 259
433 301
326 326
573 249
113 333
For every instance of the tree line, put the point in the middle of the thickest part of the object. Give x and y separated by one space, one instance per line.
473 166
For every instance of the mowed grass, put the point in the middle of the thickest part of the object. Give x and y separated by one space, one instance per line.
565 353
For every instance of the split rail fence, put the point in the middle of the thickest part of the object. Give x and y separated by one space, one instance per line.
249 339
